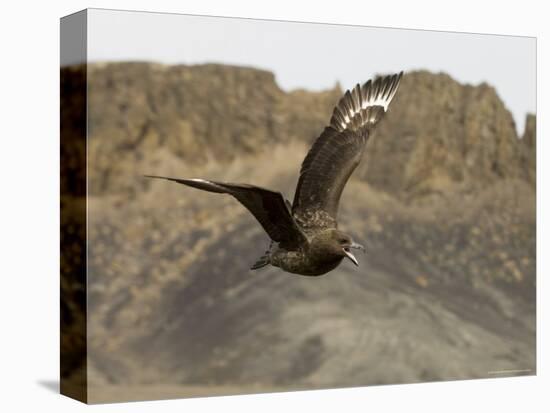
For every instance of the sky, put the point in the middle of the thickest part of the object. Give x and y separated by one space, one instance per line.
315 56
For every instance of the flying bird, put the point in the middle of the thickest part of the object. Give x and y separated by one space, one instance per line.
305 238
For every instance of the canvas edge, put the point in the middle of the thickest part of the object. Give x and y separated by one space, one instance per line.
73 210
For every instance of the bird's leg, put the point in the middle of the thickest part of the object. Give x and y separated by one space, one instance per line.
357 246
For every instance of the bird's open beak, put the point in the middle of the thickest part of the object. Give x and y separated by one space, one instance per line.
351 256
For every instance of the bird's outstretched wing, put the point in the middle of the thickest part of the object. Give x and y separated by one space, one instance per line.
337 152
268 207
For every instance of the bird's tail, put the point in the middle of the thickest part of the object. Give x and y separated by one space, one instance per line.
365 105
264 260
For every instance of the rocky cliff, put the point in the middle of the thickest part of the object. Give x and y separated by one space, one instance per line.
444 136
197 113
442 133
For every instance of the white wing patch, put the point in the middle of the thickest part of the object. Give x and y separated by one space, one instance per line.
353 111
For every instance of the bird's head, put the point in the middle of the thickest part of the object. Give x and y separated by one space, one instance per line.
338 243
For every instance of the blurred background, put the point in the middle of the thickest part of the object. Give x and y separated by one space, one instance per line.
444 200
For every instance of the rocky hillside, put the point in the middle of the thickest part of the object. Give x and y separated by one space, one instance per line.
442 133
444 201
197 113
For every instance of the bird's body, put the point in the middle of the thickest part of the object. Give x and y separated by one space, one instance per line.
304 234
317 256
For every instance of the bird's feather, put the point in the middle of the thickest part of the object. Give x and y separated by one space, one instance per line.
268 207
364 105
338 150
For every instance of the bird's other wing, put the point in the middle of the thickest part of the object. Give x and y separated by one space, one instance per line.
268 207
337 152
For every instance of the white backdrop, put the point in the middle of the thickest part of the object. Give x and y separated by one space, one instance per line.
29 218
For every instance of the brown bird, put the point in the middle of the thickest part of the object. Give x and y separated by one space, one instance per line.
304 236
